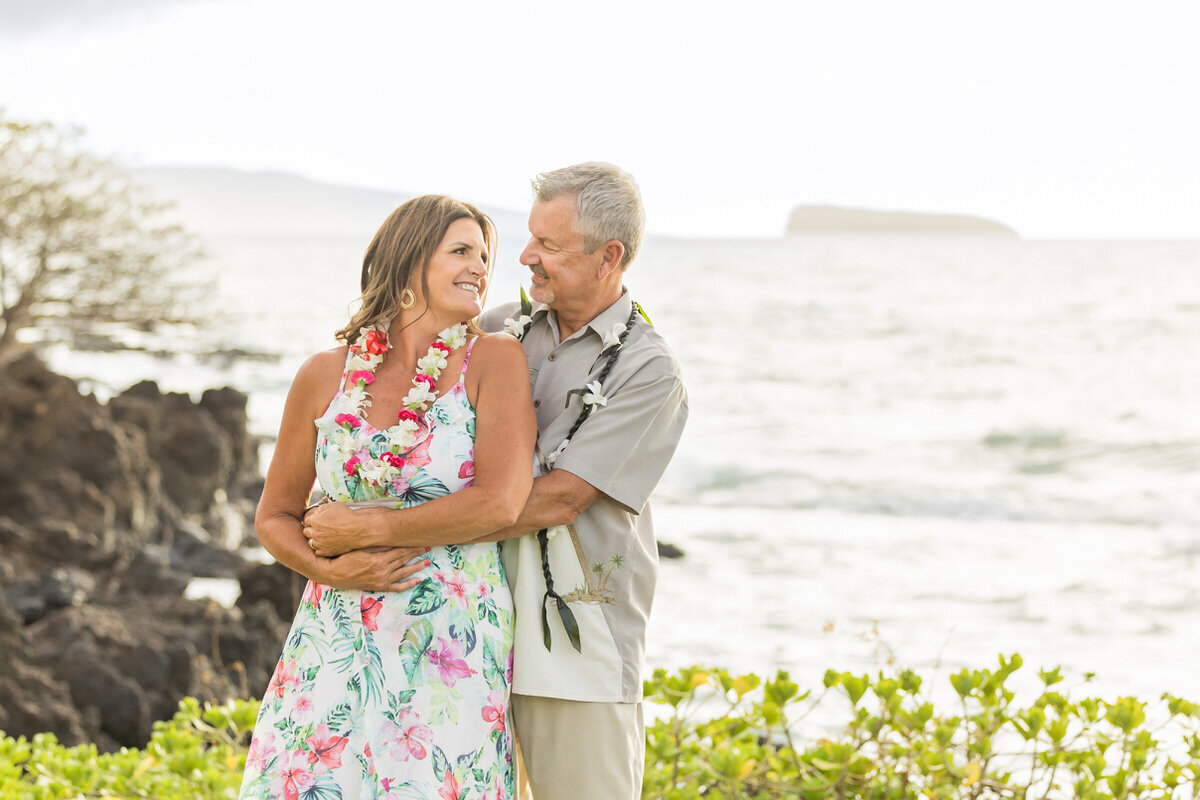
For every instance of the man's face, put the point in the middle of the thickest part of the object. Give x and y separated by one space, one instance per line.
563 275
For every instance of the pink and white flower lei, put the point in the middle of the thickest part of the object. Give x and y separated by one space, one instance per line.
367 353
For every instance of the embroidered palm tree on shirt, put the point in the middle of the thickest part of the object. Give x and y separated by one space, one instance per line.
596 590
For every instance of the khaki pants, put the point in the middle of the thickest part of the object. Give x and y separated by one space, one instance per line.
579 751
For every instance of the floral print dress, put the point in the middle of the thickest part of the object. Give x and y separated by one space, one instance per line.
393 695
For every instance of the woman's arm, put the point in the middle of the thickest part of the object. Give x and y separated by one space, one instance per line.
289 483
505 433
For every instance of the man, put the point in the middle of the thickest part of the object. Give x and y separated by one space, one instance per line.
610 407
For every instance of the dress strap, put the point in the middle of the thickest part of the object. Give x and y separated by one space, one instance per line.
467 359
345 370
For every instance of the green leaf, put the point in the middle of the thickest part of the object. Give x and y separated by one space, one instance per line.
492 672
326 788
467 761
427 597
961 681
339 718
855 686
526 303
422 488
441 764
413 647
464 633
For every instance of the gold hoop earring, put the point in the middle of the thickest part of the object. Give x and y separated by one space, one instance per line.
407 299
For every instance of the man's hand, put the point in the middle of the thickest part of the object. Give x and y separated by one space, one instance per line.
376 569
334 528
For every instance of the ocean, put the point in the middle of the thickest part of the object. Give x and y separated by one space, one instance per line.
919 451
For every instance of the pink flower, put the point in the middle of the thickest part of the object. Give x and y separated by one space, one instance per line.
326 748
418 456
483 589
495 792
449 790
260 753
377 342
428 380
303 707
399 485
445 348
294 777
364 376
448 659
348 420
495 710
408 737
370 607
393 459
456 584
285 676
351 466
467 470
407 415
313 592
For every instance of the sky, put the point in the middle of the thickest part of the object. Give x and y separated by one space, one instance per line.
1064 120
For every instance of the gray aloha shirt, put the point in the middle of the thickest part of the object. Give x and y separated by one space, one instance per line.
605 565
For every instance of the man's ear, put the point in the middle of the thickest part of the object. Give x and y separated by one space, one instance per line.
613 252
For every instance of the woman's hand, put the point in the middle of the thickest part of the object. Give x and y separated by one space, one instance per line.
334 529
376 569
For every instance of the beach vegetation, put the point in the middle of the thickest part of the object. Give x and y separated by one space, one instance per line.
725 735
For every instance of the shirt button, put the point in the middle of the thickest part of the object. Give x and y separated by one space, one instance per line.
537 403
553 356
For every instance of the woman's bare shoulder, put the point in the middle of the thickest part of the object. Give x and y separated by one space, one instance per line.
497 358
320 370
498 346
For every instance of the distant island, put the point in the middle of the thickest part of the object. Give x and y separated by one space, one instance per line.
831 219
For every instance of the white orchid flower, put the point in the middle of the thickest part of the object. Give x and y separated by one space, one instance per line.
359 362
454 337
374 471
404 439
432 363
342 439
593 396
516 327
613 337
550 459
419 396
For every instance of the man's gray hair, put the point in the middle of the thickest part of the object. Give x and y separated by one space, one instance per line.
608 204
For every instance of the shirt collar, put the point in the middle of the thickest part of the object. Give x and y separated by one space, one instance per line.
616 314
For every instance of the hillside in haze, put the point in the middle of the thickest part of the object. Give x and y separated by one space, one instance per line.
831 219
223 202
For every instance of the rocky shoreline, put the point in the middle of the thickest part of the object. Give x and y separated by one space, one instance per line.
107 511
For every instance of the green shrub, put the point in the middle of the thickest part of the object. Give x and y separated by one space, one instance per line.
200 753
897 745
739 736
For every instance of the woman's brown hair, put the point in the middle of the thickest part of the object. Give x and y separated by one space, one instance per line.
400 251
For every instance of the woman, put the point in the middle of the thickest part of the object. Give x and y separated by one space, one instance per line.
400 691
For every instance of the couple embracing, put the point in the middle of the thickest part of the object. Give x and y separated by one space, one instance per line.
455 594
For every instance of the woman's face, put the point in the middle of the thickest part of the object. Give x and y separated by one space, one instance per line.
457 274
